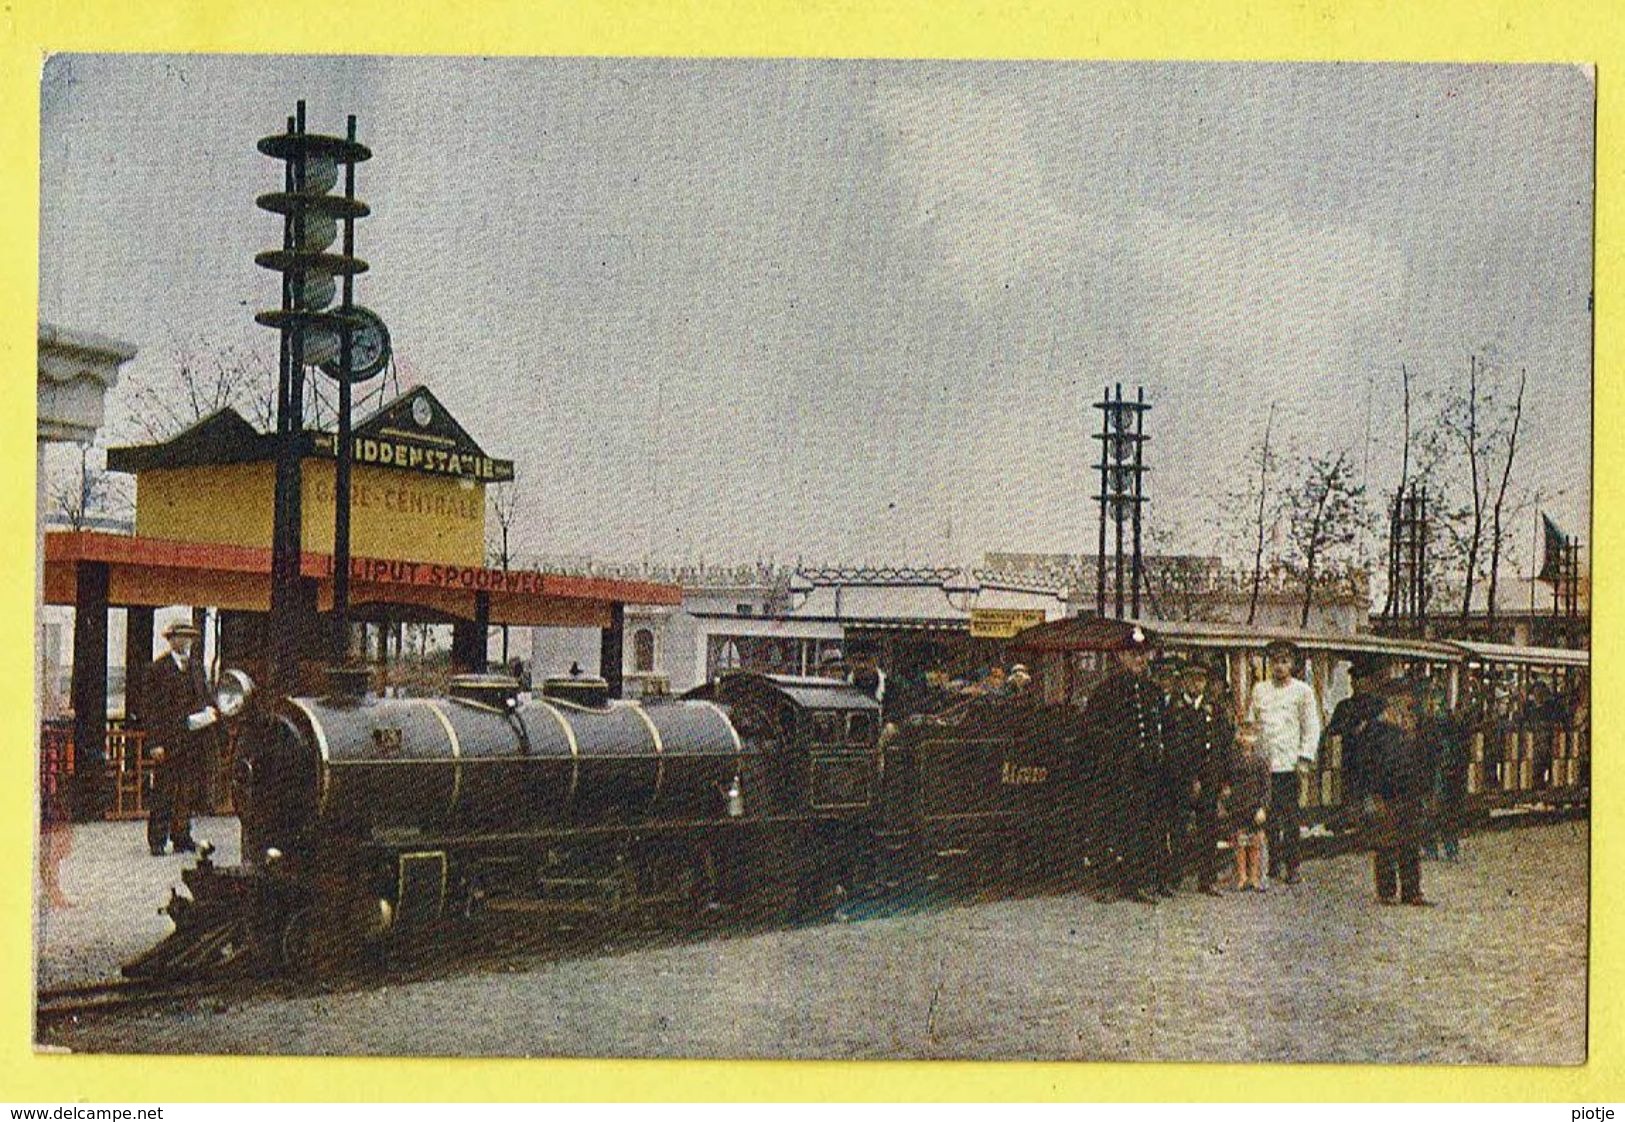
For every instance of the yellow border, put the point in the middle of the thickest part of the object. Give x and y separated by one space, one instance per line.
1449 30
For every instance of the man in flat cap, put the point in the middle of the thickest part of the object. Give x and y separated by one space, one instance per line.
1352 719
1019 681
1201 736
1125 715
1284 710
179 723
1394 798
865 673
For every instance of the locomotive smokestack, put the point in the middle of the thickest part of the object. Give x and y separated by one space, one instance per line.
347 685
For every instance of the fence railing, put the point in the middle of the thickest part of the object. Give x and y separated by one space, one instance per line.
129 769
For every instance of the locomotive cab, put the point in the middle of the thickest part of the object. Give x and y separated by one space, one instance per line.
816 739
816 746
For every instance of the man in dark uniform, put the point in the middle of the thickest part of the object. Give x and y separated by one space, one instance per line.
1393 798
1201 735
1352 719
1125 722
1169 787
179 723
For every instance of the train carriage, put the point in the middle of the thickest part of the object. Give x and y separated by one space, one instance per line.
1528 713
365 818
1524 709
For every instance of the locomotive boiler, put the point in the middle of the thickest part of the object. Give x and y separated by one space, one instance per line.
365 818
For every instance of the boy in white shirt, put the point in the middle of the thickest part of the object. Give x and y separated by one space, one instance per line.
1284 710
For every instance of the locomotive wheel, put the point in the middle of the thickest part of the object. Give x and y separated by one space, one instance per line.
669 881
317 942
297 942
900 865
824 884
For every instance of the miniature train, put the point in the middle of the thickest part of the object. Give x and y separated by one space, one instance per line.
366 819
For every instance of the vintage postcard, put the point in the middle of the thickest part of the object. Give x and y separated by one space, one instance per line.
814 559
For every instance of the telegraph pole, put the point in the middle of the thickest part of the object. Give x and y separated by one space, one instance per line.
1122 496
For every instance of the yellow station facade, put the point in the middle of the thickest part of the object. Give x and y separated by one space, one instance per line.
417 488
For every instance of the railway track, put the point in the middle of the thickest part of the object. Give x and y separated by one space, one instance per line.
61 1004
502 941
498 944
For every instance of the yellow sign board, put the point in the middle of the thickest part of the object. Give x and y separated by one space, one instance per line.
1003 623
394 515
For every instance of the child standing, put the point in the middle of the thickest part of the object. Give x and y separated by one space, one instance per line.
1249 802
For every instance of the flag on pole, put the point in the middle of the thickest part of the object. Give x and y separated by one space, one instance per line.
1557 543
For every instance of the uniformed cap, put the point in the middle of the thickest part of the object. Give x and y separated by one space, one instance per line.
182 627
1282 647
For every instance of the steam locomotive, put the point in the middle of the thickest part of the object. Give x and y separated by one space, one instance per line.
367 819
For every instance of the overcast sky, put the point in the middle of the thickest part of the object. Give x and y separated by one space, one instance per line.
858 311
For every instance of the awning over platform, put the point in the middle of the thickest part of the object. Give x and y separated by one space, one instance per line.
148 572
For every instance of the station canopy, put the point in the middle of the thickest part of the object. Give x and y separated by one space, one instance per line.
150 572
203 525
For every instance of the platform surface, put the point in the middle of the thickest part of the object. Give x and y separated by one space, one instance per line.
1496 973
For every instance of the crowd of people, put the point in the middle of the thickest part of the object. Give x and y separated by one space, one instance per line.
1168 777
1175 775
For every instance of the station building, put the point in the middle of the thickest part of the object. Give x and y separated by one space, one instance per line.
202 540
914 619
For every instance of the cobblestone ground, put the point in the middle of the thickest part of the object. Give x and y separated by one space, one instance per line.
1315 972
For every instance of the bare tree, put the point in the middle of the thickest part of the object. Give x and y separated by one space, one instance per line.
1390 600
79 494
1497 537
1325 509
503 502
1467 431
1179 586
201 379
1478 431
1265 460
1252 511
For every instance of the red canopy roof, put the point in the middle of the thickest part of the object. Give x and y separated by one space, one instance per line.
154 572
